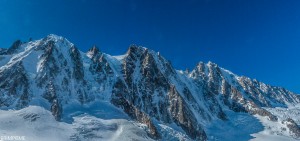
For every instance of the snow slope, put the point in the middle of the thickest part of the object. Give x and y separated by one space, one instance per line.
38 124
273 131
278 131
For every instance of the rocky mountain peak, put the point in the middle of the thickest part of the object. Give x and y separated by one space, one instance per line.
59 42
54 37
12 49
135 50
200 67
203 70
210 63
93 51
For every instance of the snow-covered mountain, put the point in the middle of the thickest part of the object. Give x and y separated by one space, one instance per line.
135 96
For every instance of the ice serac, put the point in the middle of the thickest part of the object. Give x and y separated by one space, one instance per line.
172 104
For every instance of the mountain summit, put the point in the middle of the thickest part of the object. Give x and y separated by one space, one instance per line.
93 93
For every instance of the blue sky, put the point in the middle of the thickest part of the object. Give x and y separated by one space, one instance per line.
255 38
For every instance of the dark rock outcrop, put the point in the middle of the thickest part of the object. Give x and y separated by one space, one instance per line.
293 127
14 86
13 48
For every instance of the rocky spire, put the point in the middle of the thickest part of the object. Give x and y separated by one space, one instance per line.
93 51
14 47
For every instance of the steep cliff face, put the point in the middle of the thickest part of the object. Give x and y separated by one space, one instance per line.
240 94
49 69
150 86
14 86
54 74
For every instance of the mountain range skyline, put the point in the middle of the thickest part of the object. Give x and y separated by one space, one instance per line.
259 39
186 69
135 96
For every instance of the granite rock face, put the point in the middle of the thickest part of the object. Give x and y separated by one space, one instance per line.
142 83
14 87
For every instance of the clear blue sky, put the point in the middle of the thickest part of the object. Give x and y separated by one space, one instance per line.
255 38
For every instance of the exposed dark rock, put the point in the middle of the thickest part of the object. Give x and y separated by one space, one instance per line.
78 73
14 47
118 99
99 65
2 52
14 86
182 115
56 109
293 127
94 51
49 64
31 116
